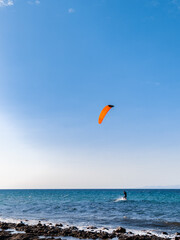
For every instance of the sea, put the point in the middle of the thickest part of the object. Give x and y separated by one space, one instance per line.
153 210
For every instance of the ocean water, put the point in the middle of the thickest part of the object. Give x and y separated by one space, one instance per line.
154 210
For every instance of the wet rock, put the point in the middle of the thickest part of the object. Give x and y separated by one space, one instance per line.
73 228
28 229
33 232
103 235
39 224
104 228
4 226
11 225
120 230
177 233
21 224
4 234
59 225
66 232
91 227
177 238
54 231
20 236
165 233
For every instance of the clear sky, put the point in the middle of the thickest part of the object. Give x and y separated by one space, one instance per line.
61 62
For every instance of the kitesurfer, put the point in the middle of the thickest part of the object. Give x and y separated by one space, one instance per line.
125 195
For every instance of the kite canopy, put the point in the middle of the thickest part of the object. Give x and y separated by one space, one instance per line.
104 112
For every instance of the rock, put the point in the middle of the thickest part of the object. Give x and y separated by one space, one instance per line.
39 224
33 232
104 228
91 227
104 235
29 229
120 230
5 235
177 233
59 225
177 238
165 233
21 224
73 228
4 226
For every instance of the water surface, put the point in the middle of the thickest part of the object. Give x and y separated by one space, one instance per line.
157 210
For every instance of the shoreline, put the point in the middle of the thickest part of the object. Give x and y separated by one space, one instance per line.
25 231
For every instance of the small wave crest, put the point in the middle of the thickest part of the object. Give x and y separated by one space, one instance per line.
120 199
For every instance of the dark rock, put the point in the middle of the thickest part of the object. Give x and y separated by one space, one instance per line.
5 235
165 233
21 224
104 228
177 233
59 225
33 232
120 230
91 227
28 229
39 224
4 226
73 228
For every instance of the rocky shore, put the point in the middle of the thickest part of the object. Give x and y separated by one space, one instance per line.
22 231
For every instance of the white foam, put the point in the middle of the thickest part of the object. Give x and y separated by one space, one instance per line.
120 199
150 232
13 231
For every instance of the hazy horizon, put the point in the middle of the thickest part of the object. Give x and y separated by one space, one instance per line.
176 187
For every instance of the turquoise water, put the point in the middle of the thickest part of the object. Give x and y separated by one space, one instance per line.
157 210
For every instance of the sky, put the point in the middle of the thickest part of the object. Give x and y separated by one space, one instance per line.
61 62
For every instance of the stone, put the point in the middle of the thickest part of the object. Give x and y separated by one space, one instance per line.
91 227
59 225
21 224
104 228
120 230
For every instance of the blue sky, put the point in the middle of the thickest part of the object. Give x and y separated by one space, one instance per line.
61 62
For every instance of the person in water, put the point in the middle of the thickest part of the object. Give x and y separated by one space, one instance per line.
125 195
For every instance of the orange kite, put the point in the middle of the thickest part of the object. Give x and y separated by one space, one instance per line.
104 112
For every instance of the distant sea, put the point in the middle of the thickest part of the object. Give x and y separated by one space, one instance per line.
145 209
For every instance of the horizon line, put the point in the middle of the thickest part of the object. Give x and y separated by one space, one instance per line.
145 188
